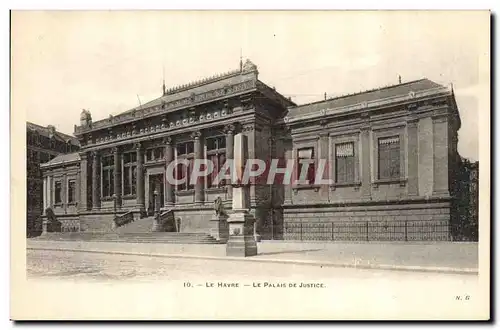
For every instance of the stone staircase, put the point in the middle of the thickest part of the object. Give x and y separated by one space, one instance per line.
138 231
144 225
159 237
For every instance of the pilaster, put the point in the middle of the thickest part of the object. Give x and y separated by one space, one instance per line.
169 157
83 181
412 131
229 130
199 194
440 133
117 175
140 176
96 189
365 160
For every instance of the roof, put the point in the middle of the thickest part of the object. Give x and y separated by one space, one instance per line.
46 131
365 96
208 89
197 87
62 159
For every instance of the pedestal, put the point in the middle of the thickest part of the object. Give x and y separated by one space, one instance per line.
219 228
156 224
44 226
256 235
241 241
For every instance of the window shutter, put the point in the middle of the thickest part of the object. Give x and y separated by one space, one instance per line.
389 158
344 159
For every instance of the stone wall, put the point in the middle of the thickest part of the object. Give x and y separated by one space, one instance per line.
419 221
194 219
101 222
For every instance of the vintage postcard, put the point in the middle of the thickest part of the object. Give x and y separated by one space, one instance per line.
250 165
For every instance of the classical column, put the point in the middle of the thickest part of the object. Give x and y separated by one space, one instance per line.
140 176
96 173
49 192
44 194
83 181
117 176
412 128
365 163
229 130
199 194
169 157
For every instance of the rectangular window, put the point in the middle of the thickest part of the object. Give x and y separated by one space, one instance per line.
216 152
154 154
215 143
184 151
182 171
129 173
44 157
185 148
344 162
108 176
305 158
57 192
389 158
71 191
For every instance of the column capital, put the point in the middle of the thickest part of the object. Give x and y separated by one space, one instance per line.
248 127
138 146
365 128
95 154
83 155
196 135
412 121
167 140
116 149
230 129
440 118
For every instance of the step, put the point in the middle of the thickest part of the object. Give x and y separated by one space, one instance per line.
153 237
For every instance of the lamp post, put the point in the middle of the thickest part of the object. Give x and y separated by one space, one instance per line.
114 203
115 225
155 201
156 225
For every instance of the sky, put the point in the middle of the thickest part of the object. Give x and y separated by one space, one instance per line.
109 61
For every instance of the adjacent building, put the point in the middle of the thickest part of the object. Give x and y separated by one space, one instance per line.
43 144
391 159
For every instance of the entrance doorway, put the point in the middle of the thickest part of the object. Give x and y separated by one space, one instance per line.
155 183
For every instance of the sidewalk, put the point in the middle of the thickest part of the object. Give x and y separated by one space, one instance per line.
443 257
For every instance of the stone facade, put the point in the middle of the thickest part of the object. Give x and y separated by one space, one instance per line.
395 184
42 145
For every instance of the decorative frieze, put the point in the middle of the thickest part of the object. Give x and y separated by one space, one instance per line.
176 104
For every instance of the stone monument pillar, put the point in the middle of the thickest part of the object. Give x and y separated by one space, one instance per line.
218 224
241 242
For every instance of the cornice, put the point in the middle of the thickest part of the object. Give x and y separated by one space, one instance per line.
168 107
413 98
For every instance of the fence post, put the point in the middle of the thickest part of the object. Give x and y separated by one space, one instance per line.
333 232
367 238
406 230
301 230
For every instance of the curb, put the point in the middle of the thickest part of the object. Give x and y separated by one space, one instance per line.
442 270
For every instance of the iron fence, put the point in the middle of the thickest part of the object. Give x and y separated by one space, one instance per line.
367 231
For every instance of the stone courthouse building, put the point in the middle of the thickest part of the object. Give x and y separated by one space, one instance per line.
391 154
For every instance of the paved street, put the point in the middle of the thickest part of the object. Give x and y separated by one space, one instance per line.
215 285
96 266
437 254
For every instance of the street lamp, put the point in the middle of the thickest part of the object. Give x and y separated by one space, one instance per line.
156 225
114 203
155 201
